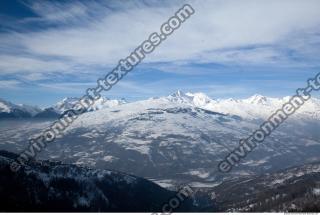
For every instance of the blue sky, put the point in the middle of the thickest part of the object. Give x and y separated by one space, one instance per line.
55 49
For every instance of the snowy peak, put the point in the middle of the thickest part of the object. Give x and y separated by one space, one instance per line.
101 103
180 97
200 99
257 99
6 106
66 104
8 109
179 93
194 99
256 106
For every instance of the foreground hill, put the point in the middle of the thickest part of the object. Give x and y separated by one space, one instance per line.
295 189
53 186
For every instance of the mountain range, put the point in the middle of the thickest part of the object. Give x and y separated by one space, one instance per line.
176 139
256 106
173 140
10 110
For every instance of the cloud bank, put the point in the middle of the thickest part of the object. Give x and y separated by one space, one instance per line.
84 34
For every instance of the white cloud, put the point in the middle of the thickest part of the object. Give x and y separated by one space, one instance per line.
130 86
67 86
9 84
58 12
92 34
10 64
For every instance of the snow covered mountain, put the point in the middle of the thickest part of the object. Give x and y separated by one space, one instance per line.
258 106
196 99
179 138
101 103
10 110
254 107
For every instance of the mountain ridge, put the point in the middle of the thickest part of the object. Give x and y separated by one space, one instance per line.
253 107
